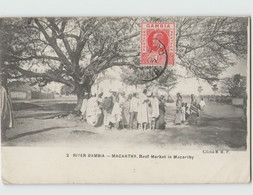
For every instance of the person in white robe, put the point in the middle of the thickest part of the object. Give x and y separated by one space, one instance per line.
155 109
116 113
202 104
92 111
133 109
143 110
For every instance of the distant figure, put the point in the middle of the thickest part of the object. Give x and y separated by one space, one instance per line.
183 109
6 113
160 122
151 120
187 111
126 111
194 111
202 104
178 118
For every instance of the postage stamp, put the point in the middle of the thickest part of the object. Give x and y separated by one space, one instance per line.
157 43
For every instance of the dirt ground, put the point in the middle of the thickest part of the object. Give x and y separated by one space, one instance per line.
46 123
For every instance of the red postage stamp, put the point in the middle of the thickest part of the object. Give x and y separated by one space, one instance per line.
157 43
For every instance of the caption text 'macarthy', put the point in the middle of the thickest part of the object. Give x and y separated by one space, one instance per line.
129 156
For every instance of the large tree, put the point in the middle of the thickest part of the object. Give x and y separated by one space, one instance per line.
73 51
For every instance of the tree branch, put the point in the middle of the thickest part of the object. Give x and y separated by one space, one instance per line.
53 44
51 77
35 57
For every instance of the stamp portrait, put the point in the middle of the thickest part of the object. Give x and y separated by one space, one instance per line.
156 38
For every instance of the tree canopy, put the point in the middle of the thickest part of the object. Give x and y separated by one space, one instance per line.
73 51
206 46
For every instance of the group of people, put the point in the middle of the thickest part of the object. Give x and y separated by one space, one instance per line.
188 113
144 110
111 109
116 110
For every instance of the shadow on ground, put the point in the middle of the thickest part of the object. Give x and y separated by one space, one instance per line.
33 133
43 106
215 132
220 126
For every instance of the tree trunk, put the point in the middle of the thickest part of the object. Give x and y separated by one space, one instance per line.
80 91
80 96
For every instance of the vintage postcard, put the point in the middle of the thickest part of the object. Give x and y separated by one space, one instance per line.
125 100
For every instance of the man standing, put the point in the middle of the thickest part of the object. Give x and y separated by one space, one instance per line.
134 105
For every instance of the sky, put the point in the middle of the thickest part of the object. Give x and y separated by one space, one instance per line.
190 85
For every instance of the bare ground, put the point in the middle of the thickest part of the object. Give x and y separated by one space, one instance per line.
46 123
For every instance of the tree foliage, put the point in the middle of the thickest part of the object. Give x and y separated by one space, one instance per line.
73 51
67 90
205 46
134 76
235 86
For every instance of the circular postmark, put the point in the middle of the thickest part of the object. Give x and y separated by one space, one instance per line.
150 73
154 72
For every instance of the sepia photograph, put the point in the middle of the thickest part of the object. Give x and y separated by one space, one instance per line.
153 83
79 81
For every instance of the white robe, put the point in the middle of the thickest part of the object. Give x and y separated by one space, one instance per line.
92 112
142 116
155 107
116 113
